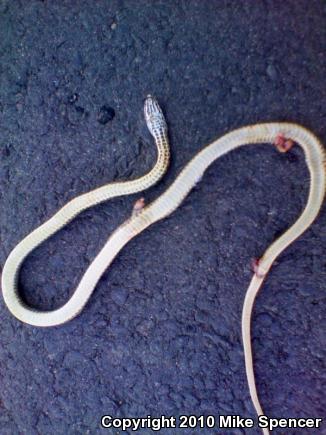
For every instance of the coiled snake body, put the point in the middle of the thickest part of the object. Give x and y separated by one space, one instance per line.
161 208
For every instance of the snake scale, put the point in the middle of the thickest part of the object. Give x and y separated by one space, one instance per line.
283 135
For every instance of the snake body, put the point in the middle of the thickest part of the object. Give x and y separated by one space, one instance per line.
163 207
158 128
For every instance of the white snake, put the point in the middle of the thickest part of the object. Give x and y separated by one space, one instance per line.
161 208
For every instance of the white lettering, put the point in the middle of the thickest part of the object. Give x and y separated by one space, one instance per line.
235 422
106 421
293 423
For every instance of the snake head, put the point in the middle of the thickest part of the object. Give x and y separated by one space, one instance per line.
154 117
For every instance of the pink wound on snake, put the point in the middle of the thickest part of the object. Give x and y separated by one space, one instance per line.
282 143
255 267
139 205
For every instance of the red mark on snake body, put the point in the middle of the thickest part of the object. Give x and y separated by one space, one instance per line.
255 262
282 143
138 206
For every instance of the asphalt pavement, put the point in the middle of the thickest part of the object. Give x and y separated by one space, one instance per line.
161 334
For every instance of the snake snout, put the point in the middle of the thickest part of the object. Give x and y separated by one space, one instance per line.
151 106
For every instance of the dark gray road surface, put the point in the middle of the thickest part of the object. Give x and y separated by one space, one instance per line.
161 333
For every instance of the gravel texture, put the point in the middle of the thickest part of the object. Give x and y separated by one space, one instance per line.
161 333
